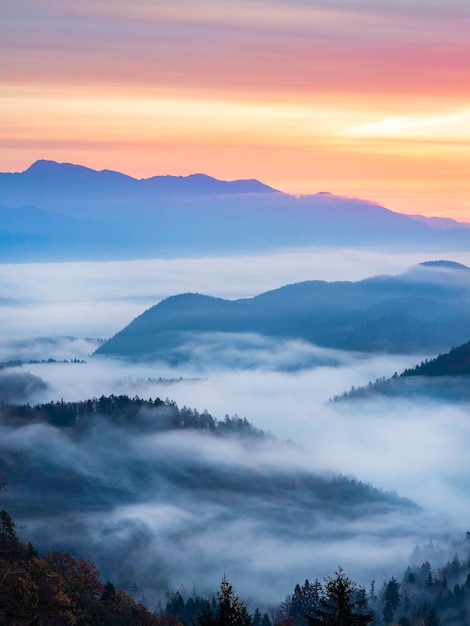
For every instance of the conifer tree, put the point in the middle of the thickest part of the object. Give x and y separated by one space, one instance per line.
230 609
342 604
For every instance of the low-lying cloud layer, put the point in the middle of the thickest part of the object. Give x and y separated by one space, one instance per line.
98 299
145 528
171 509
141 527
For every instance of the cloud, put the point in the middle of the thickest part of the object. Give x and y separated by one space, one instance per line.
171 509
57 348
98 299
176 509
19 386
416 127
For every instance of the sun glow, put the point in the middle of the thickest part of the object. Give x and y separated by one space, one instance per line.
356 98
425 126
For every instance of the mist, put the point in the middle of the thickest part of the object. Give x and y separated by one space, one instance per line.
98 299
402 444
145 528
123 506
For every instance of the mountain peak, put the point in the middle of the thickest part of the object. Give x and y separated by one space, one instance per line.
444 264
203 184
42 166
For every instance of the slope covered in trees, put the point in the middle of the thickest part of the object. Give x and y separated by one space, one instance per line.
426 308
447 377
60 589
163 483
455 363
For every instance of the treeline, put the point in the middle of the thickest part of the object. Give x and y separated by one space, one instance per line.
124 411
456 362
61 589
424 597
384 386
20 363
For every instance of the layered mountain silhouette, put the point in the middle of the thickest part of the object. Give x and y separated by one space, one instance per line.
60 211
425 309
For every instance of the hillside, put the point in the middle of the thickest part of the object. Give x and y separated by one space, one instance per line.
80 213
454 363
151 491
445 377
424 309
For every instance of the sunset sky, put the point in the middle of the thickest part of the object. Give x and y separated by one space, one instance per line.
360 98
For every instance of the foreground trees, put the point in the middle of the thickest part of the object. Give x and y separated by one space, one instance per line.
59 589
341 603
230 609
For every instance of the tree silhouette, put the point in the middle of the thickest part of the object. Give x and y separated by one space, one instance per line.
391 599
230 609
341 604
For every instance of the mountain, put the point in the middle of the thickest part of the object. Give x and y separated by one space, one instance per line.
426 308
41 183
445 377
153 491
443 223
110 215
453 363
31 234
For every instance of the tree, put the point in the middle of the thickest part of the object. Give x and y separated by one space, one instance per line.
342 603
206 615
391 599
303 602
10 547
266 621
230 609
257 618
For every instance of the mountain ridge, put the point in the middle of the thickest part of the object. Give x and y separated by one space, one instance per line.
444 377
411 312
184 216
53 170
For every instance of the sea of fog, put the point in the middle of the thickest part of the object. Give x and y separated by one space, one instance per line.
98 299
416 447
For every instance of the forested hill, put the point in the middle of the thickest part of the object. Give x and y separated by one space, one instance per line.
134 413
453 363
174 490
426 309
447 377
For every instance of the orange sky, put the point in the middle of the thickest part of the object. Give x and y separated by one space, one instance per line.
358 98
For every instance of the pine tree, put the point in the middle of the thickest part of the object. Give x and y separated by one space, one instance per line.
206 616
266 621
230 609
10 547
391 599
257 618
342 604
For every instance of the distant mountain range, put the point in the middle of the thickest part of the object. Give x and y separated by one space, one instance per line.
425 309
60 211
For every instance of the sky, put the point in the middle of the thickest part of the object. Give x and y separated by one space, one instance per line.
357 97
